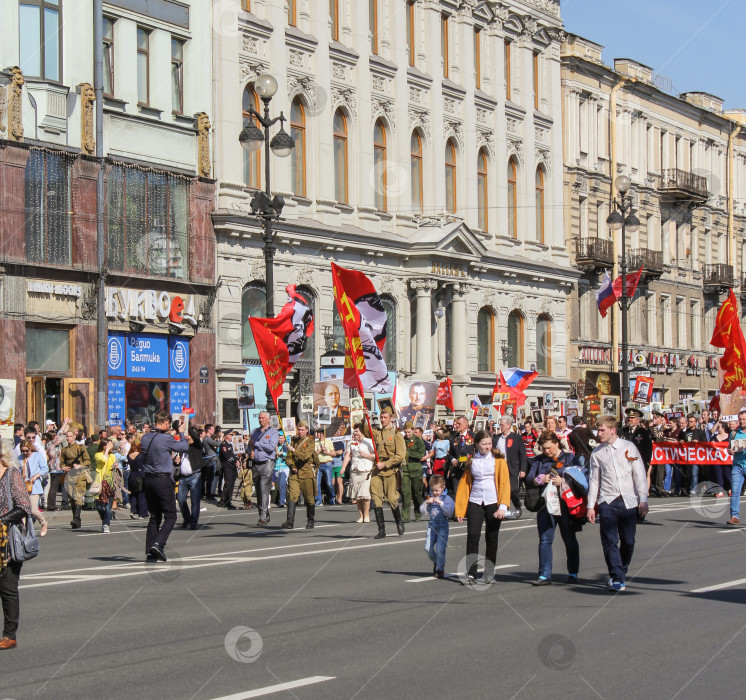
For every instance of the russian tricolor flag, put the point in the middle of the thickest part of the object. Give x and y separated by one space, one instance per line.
605 295
518 378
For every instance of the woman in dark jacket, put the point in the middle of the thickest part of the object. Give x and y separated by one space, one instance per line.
138 503
15 506
548 466
190 485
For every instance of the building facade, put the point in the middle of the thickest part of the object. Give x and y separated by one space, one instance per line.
427 155
686 158
158 268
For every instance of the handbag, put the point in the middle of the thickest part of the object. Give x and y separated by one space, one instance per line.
534 500
551 496
22 547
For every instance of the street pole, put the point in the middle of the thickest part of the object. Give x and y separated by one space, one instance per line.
624 303
269 242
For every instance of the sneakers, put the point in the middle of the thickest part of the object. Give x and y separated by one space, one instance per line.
105 529
134 516
542 581
572 578
617 587
733 522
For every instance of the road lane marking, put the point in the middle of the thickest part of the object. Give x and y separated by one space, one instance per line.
455 575
279 688
720 586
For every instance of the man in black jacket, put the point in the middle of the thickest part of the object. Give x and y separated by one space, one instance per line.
692 433
462 447
511 445
637 433
229 464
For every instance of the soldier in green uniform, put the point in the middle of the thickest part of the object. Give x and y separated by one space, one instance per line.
302 460
392 453
411 475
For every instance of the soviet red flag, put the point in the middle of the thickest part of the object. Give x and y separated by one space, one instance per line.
728 335
445 394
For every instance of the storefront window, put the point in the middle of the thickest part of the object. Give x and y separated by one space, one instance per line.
47 350
145 399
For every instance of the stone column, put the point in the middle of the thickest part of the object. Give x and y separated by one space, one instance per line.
459 346
424 289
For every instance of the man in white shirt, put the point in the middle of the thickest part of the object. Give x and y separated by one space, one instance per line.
617 490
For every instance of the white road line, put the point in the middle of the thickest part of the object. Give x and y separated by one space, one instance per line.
455 575
733 529
279 688
720 586
113 532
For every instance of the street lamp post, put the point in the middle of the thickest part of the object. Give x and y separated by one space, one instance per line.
621 219
263 205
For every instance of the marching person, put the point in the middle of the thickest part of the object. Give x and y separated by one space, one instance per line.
510 444
229 466
411 475
105 466
302 460
462 447
439 508
34 467
158 479
617 491
263 444
190 485
483 497
392 452
361 458
738 471
637 433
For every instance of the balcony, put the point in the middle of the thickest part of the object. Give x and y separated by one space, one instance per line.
680 186
651 262
718 277
594 253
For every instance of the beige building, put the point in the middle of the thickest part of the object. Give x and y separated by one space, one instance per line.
686 158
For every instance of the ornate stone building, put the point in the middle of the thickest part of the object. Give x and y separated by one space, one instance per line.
427 155
687 161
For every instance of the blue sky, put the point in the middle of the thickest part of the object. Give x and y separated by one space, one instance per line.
656 32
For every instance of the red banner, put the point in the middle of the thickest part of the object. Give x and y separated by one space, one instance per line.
445 394
700 453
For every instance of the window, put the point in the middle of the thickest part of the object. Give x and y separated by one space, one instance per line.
415 171
47 350
292 12
48 208
143 66
537 94
482 191
485 340
148 222
373 25
108 57
298 156
379 165
252 160
410 31
451 200
389 350
540 204
515 339
340 157
508 70
543 345
246 5
253 304
40 47
444 43
334 15
512 199
177 76
478 56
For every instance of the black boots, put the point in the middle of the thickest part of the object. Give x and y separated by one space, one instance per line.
75 522
288 524
310 514
380 522
399 521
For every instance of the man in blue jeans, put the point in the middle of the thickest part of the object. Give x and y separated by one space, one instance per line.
738 472
190 486
617 491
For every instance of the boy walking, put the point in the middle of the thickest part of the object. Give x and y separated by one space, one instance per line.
439 506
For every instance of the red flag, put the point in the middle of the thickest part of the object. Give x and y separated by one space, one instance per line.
516 395
364 321
725 322
728 335
281 341
632 281
445 394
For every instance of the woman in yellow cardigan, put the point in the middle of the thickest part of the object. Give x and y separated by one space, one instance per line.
483 497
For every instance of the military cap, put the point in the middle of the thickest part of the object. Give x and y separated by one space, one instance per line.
387 410
301 424
409 425
634 412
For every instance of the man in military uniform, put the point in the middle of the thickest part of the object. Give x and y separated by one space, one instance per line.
638 434
417 398
411 475
302 462
391 454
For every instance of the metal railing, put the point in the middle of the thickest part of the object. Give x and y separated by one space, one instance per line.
650 260
718 275
675 179
594 250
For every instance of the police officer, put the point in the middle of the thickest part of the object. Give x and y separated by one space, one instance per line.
391 454
411 475
637 433
302 460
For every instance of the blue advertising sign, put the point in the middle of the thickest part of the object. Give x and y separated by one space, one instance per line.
178 355
179 396
116 402
115 354
147 356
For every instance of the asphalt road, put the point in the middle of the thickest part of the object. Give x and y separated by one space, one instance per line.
239 612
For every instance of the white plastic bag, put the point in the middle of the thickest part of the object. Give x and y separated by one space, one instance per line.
185 466
552 499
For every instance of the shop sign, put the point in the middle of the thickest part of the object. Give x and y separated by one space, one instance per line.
48 289
179 395
150 306
178 352
147 356
595 355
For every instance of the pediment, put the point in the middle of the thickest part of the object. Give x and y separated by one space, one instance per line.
455 238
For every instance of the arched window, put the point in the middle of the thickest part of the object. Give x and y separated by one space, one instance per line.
485 340
252 160
512 199
482 190
379 165
340 157
540 204
451 201
515 339
253 303
298 154
543 345
389 350
415 171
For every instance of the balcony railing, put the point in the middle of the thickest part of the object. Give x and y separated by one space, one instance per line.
718 276
594 252
651 261
682 184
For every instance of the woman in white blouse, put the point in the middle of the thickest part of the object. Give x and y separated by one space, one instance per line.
361 455
482 498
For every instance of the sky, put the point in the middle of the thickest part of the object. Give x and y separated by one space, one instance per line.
699 45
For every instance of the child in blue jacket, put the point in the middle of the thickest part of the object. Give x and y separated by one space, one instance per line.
439 507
